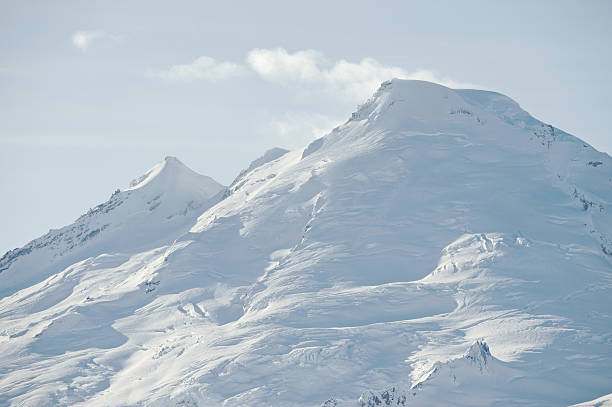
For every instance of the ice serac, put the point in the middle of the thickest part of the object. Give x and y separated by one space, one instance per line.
154 209
377 261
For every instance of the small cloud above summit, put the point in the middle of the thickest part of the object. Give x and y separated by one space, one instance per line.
311 70
84 39
432 76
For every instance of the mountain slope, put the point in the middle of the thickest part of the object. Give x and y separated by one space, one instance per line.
430 221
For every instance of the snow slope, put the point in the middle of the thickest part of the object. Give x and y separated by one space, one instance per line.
441 247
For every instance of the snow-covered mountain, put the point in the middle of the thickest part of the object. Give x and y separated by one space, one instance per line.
150 212
441 247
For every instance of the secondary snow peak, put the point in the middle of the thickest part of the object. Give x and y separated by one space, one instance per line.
157 207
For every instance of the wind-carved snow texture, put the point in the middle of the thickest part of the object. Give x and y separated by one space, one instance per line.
441 247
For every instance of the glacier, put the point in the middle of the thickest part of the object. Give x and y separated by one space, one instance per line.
441 247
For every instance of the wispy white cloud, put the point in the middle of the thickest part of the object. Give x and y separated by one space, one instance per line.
310 70
306 71
203 67
84 39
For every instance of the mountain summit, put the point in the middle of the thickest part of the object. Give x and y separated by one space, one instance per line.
171 175
440 247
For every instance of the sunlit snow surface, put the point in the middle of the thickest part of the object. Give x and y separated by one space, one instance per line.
442 247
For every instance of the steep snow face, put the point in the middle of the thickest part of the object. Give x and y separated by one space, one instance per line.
381 256
153 210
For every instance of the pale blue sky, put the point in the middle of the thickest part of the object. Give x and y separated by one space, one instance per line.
93 93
